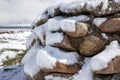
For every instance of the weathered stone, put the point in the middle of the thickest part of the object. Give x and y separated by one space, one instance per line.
113 67
102 77
32 43
42 76
75 42
81 30
116 77
111 25
114 37
60 70
65 44
95 11
91 45
63 68
39 76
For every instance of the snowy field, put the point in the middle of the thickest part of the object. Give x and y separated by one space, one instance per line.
12 49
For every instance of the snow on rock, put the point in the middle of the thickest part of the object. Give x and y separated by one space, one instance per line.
101 60
30 67
51 77
52 38
99 21
77 6
104 36
30 39
98 62
48 56
57 23
40 33
30 54
66 24
117 1
51 27
29 61
54 24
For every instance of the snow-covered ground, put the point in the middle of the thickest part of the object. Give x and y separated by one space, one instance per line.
12 44
12 73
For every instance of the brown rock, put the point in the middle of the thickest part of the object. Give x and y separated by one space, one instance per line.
113 67
114 37
81 30
60 70
111 25
41 76
40 22
102 77
95 11
63 68
75 42
65 44
116 77
32 43
91 45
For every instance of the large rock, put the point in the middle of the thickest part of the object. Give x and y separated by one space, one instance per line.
101 9
113 67
75 42
65 45
91 45
81 30
114 37
49 76
63 68
102 77
111 25
60 70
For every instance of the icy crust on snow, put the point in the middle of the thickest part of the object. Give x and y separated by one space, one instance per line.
98 62
99 21
39 58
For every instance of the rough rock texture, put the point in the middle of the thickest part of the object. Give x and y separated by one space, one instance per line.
114 67
81 30
62 68
65 44
97 11
111 25
87 39
102 77
91 45
42 76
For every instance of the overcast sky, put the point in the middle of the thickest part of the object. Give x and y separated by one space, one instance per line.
17 10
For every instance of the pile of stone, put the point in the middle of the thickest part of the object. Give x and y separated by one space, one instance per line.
95 28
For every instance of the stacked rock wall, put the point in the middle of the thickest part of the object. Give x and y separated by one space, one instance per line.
84 28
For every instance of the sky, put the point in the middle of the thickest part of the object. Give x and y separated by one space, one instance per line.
17 11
